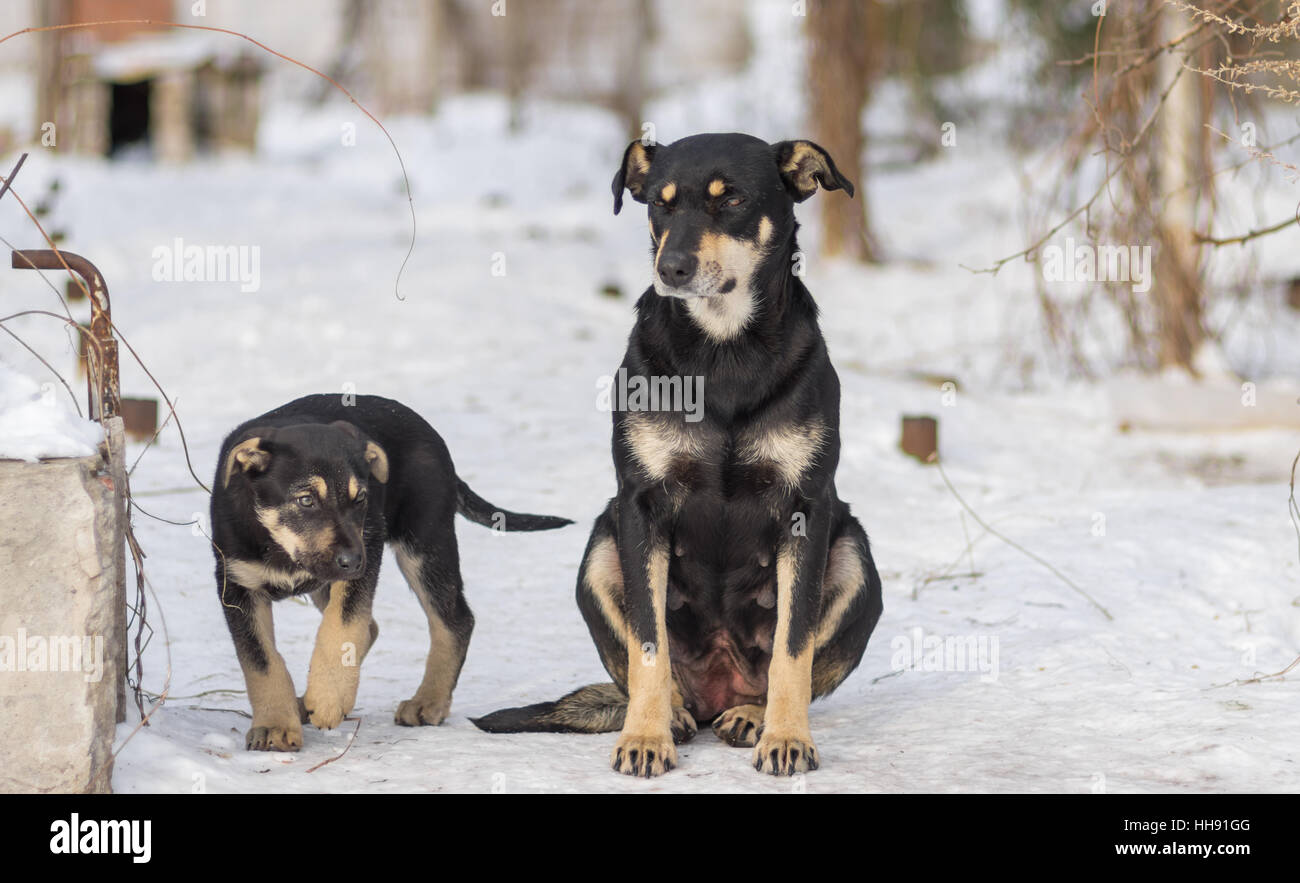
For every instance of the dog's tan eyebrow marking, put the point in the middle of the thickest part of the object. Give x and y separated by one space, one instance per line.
319 486
717 187
353 487
668 192
765 230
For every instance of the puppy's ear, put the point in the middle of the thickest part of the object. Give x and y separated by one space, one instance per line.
375 456
804 165
247 456
631 175
378 461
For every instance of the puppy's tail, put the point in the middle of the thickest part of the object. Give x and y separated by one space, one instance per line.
599 708
480 511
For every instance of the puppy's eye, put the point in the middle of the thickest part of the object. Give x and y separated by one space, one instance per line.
659 203
306 501
734 201
361 496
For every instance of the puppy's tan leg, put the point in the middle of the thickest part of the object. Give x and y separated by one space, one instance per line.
276 725
645 747
447 646
341 644
785 744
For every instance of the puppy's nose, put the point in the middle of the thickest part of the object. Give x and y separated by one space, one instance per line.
677 268
348 562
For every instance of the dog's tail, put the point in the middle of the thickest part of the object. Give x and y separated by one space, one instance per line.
599 708
480 511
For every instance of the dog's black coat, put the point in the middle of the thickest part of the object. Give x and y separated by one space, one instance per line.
722 494
389 479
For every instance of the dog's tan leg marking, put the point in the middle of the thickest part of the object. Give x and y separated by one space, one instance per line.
336 662
785 744
432 701
645 747
845 580
739 726
276 725
604 577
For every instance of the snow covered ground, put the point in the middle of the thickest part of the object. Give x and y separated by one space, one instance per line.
501 341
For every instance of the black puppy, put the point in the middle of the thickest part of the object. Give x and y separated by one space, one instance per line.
726 549
304 499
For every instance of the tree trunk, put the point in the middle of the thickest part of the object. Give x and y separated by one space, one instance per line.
1177 283
840 68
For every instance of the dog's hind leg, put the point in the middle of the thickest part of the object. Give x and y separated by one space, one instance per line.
434 577
598 708
276 722
851 606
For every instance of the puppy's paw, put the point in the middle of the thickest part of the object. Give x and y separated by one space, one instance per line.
324 710
274 739
784 754
683 726
739 726
644 755
417 712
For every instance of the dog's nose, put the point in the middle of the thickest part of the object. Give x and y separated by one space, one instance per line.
677 268
348 562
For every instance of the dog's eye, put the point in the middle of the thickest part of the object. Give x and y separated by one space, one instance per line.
734 201
659 203
306 501
360 497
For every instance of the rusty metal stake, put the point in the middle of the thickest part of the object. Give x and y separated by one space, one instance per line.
102 374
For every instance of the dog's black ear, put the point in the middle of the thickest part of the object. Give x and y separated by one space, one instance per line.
250 455
375 456
804 165
378 461
631 175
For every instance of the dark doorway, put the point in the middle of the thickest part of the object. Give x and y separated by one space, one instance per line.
128 116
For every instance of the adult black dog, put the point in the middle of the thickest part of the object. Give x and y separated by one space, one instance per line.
726 550
304 499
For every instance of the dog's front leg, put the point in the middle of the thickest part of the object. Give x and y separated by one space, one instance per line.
645 747
341 643
785 745
276 724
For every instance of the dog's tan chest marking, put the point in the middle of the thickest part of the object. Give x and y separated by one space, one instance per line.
658 443
665 447
791 449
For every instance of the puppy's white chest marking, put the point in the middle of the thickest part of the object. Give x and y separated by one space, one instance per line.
256 575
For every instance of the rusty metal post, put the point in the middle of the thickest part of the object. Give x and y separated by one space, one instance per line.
104 393
104 388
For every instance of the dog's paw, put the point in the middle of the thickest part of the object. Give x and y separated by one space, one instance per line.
324 712
739 726
417 712
784 754
683 726
645 756
273 739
